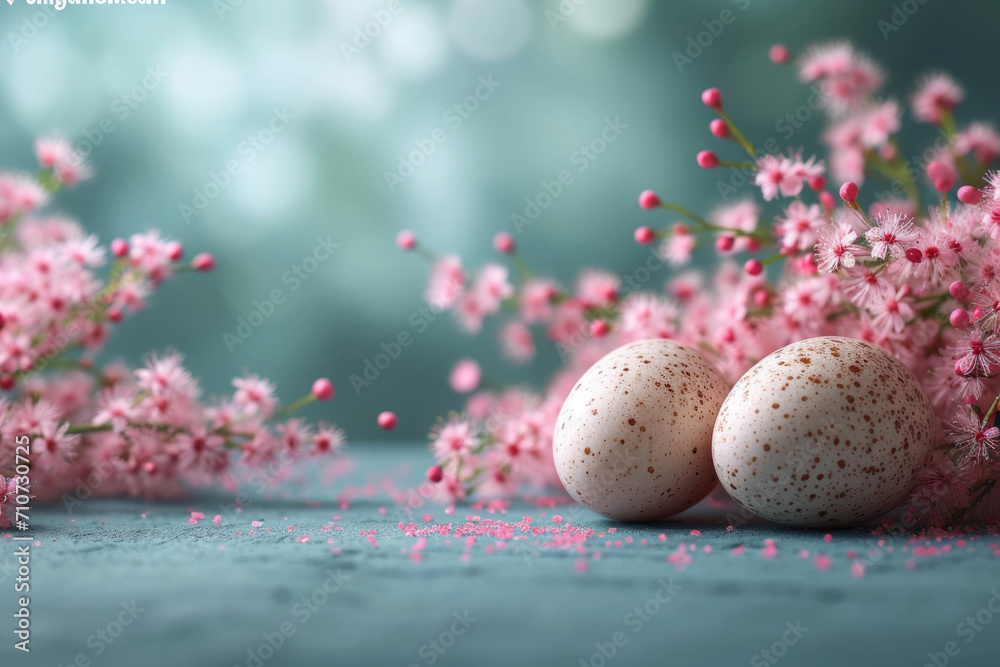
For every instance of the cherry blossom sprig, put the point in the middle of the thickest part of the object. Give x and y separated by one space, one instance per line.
142 432
922 282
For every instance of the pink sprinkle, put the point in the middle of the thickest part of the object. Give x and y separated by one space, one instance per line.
857 569
612 530
663 538
707 548
197 516
291 528
580 565
828 538
851 553
696 533
729 528
803 553
770 551
738 550
629 539
822 562
427 517
255 524
193 522
217 520
557 519
302 539
642 541
381 510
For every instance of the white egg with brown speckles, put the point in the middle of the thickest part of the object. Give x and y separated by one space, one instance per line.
827 431
633 439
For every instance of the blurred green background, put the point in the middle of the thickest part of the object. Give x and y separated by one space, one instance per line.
352 108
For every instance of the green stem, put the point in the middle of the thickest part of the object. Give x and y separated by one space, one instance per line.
737 135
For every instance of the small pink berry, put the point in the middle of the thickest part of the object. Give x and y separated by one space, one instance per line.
725 243
405 240
387 420
959 290
649 199
504 242
323 389
959 318
203 262
944 183
761 298
969 195
817 183
753 267
435 474
119 248
708 160
150 469
712 97
174 251
644 235
849 192
599 328
977 313
778 53
914 255
827 200
727 335
719 128
115 314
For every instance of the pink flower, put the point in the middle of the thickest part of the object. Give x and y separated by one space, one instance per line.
328 438
517 342
836 248
977 443
893 311
677 247
845 76
254 396
596 289
741 216
935 95
446 282
453 439
647 316
800 225
979 139
977 355
893 235
536 300
785 175
879 123
465 376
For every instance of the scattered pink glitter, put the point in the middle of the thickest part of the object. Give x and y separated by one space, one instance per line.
822 562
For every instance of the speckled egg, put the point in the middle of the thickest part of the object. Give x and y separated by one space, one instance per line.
828 431
633 439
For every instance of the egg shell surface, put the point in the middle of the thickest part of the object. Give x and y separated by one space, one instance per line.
633 438
827 431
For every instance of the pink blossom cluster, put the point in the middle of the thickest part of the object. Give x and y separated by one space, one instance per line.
922 281
142 432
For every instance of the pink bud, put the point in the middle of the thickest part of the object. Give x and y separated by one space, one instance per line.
323 389
405 240
149 467
119 248
719 128
115 314
599 328
387 420
203 262
649 199
708 160
969 195
817 183
849 192
778 54
7 382
725 243
827 200
644 235
435 474
914 255
977 313
727 335
958 368
959 290
761 298
712 97
753 245
174 251
504 242
942 174
959 318
753 267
